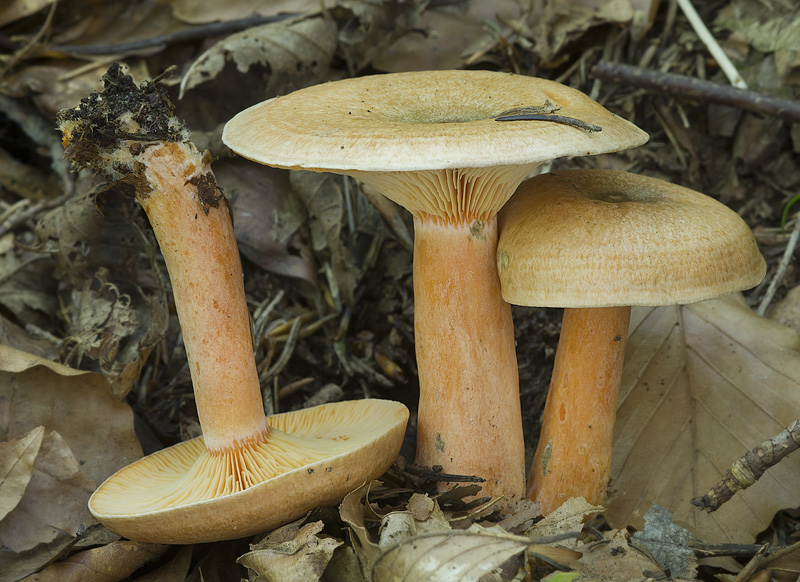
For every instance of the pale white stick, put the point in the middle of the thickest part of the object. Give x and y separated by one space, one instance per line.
711 43
782 267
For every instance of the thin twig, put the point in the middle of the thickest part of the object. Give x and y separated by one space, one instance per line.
262 313
433 475
786 260
698 89
31 43
30 212
286 353
348 202
712 45
748 469
202 32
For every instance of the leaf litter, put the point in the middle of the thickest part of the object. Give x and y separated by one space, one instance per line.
703 384
338 268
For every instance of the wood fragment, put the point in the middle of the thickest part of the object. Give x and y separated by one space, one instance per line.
712 45
434 475
786 260
698 89
748 469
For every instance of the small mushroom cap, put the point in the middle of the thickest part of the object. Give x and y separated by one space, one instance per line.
313 457
429 120
601 238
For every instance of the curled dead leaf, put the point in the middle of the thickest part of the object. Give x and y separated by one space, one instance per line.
88 434
111 562
288 55
448 556
16 468
302 558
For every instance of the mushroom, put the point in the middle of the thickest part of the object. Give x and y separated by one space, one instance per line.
597 242
451 147
247 473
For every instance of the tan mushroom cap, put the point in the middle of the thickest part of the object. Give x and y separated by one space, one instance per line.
428 120
601 238
313 457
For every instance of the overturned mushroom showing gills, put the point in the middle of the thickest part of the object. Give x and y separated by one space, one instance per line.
247 473
431 142
597 242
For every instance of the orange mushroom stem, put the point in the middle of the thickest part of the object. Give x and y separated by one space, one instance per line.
469 418
573 457
131 136
202 259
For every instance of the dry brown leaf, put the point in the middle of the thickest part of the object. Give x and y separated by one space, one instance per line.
437 42
119 307
109 563
767 27
323 197
26 181
302 558
418 543
442 36
89 436
51 514
450 556
344 566
702 384
18 9
369 27
173 571
27 288
266 215
784 564
111 23
559 23
787 310
16 468
285 55
567 519
352 511
53 87
12 334
612 559
200 12
78 405
55 501
423 514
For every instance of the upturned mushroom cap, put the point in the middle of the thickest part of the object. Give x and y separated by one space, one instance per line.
419 122
600 238
312 458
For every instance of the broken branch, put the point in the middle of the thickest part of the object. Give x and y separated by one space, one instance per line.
699 89
748 469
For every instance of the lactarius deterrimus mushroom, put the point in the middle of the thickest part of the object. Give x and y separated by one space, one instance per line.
247 473
597 242
451 147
